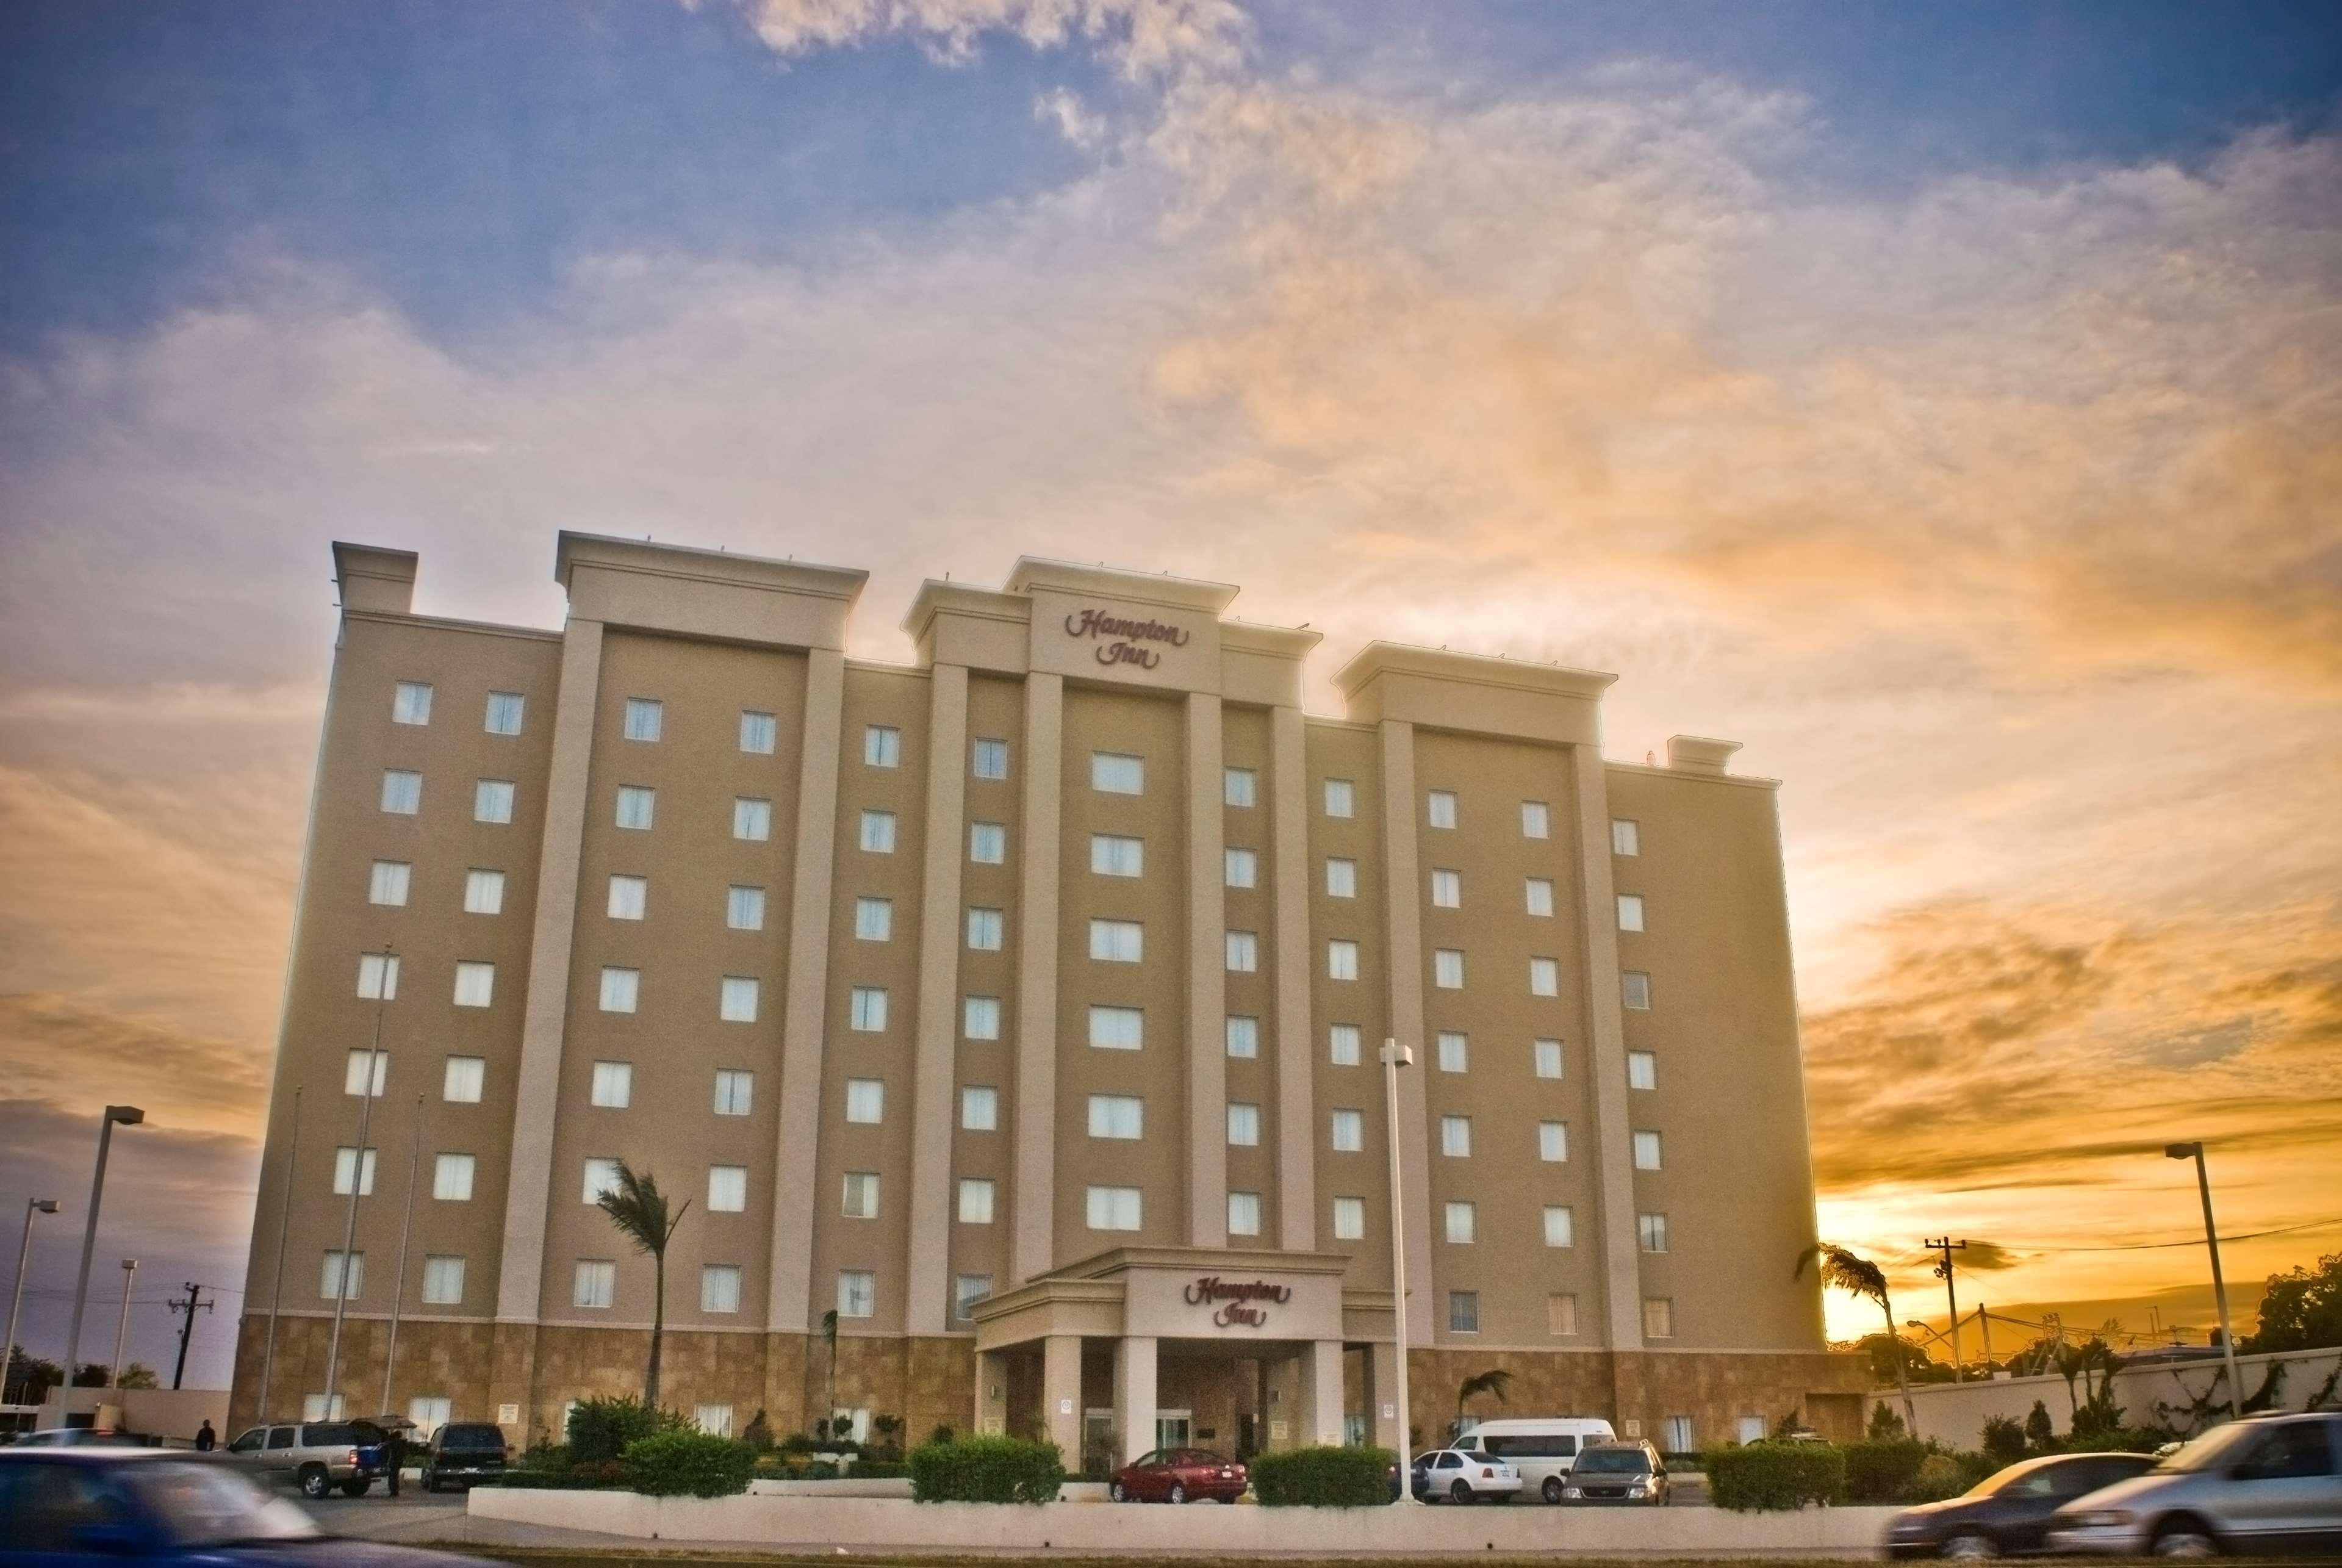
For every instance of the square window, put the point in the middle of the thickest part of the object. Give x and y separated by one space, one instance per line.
719 1292
388 882
1439 808
975 1200
758 732
614 1084
644 718
1463 1312
1642 1070
601 1176
596 1282
1630 912
411 703
857 1293
1446 890
1116 942
861 1200
1341 961
1454 1051
966 1291
1448 968
1243 1037
1117 1116
475 984
1545 978
1244 952
1634 990
744 909
362 1064
462 1079
1117 1028
1560 1226
1112 773
621 989
983 928
990 758
869 1009
865 1100
1349 1218
1652 1231
338 1279
752 819
1243 1125
402 791
1752 1430
347 1163
1239 787
873 920
1113 1208
1540 897
1545 1055
1536 820
1456 1137
1349 1131
1244 1214
1341 878
1647 1151
443 1280
1553 1143
1626 837
980 1017
1113 855
1561 1313
483 892
735 1091
1341 798
1674 1435
504 714
988 843
636 806
728 1189
882 745
1658 1318
979 1109
628 897
1242 869
451 1178
1343 1045
491 801
378 976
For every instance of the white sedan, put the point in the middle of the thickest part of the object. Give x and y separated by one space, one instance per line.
1462 1476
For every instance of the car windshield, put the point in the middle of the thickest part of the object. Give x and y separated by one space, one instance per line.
2215 1448
1614 1460
209 1505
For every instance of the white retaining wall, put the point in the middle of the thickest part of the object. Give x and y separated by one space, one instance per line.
1954 1413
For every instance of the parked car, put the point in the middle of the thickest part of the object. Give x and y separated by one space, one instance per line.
2266 1483
315 1455
1178 1475
177 1510
1461 1475
466 1451
77 1437
1626 1471
1542 1448
2007 1513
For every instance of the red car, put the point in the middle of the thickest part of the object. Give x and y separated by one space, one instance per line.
1177 1475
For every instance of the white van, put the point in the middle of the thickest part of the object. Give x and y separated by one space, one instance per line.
1542 1448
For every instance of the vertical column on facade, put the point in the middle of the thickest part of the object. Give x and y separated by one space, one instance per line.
1133 1394
1033 1248
938 1034
1402 892
1061 1394
1207 980
790 1282
991 1392
1297 1140
1605 1054
1382 1392
1319 1413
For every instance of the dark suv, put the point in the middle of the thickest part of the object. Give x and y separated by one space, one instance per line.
1624 1470
464 1451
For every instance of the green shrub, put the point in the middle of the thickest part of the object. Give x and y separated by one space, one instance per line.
1881 1471
1764 1477
2004 1440
1939 1475
986 1469
1323 1477
688 1464
602 1428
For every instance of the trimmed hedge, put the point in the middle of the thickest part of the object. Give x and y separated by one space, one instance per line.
689 1465
1323 1477
1766 1477
986 1469
1881 1471
602 1428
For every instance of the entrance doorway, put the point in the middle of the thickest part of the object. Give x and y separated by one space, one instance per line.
1173 1427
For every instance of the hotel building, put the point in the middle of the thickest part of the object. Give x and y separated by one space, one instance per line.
1012 1020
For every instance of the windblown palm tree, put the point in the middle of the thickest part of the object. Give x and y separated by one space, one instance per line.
639 1209
829 1337
1844 1269
1493 1381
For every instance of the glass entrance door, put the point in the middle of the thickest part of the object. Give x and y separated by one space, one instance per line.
1173 1427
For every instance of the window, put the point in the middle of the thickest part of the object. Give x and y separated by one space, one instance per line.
1341 961
735 1091
345 1163
1545 1057
1625 838
1652 1230
483 892
988 843
1456 1137
979 1109
378 976
1117 1028
980 1017
1244 1214
857 1292
719 1292
1112 855
1634 990
443 1280
1647 1151
644 718
1540 896
354 1072
1630 912
1439 808
751 820
1448 968
1242 869
1349 1218
861 1198
1463 1312
614 1084
966 1291
621 989
596 1283
1342 1045
1675 1435
636 806
1455 1053
1536 822
1349 1133
1341 798
1243 1125
1244 952
1561 1313
975 1200
1111 773
601 1176
411 703
1243 1037
744 909
1642 1070
1114 1208
1553 1141
402 792
990 758
877 832
873 920
1239 787
1658 1318
451 1178
461 1082
628 897
1560 1226
728 1189
504 714
865 1100
882 745
1341 878
1117 1116
1545 978
869 1009
1116 942
1447 890
757 732
491 801
388 884
1752 1430
335 1280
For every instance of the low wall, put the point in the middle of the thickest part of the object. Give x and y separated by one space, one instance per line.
837 1523
172 1413
1954 1413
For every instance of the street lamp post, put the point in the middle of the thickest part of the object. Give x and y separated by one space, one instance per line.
24 1256
128 1116
1395 1056
122 1323
382 993
2219 1286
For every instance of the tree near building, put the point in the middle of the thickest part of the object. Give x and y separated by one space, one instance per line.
2301 1312
642 1214
1844 1269
1492 1382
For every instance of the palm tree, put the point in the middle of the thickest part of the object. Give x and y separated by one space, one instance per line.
1844 1269
639 1209
829 1336
1495 1381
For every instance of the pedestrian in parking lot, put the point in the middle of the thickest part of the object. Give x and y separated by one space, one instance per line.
206 1438
394 1454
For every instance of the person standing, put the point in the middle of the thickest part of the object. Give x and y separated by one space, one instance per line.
394 1454
206 1438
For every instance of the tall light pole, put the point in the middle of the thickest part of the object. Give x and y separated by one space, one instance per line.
2219 1286
276 1285
122 1323
405 1232
1395 1056
382 994
128 1116
24 1256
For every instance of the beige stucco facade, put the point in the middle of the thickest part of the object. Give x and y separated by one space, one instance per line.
998 1049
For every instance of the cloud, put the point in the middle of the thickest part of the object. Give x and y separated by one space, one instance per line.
81 1058
1145 37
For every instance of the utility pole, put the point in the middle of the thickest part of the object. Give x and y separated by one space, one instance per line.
1984 1327
187 1330
1946 1246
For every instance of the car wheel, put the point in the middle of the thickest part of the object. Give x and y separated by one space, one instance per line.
315 1481
2185 1538
1115 1493
1969 1546
1460 1492
355 1488
1553 1488
430 1482
1177 1493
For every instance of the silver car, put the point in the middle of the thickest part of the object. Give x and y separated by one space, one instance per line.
2267 1483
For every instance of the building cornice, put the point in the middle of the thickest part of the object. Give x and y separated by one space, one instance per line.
1039 572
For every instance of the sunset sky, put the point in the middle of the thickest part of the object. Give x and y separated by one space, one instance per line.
1944 401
